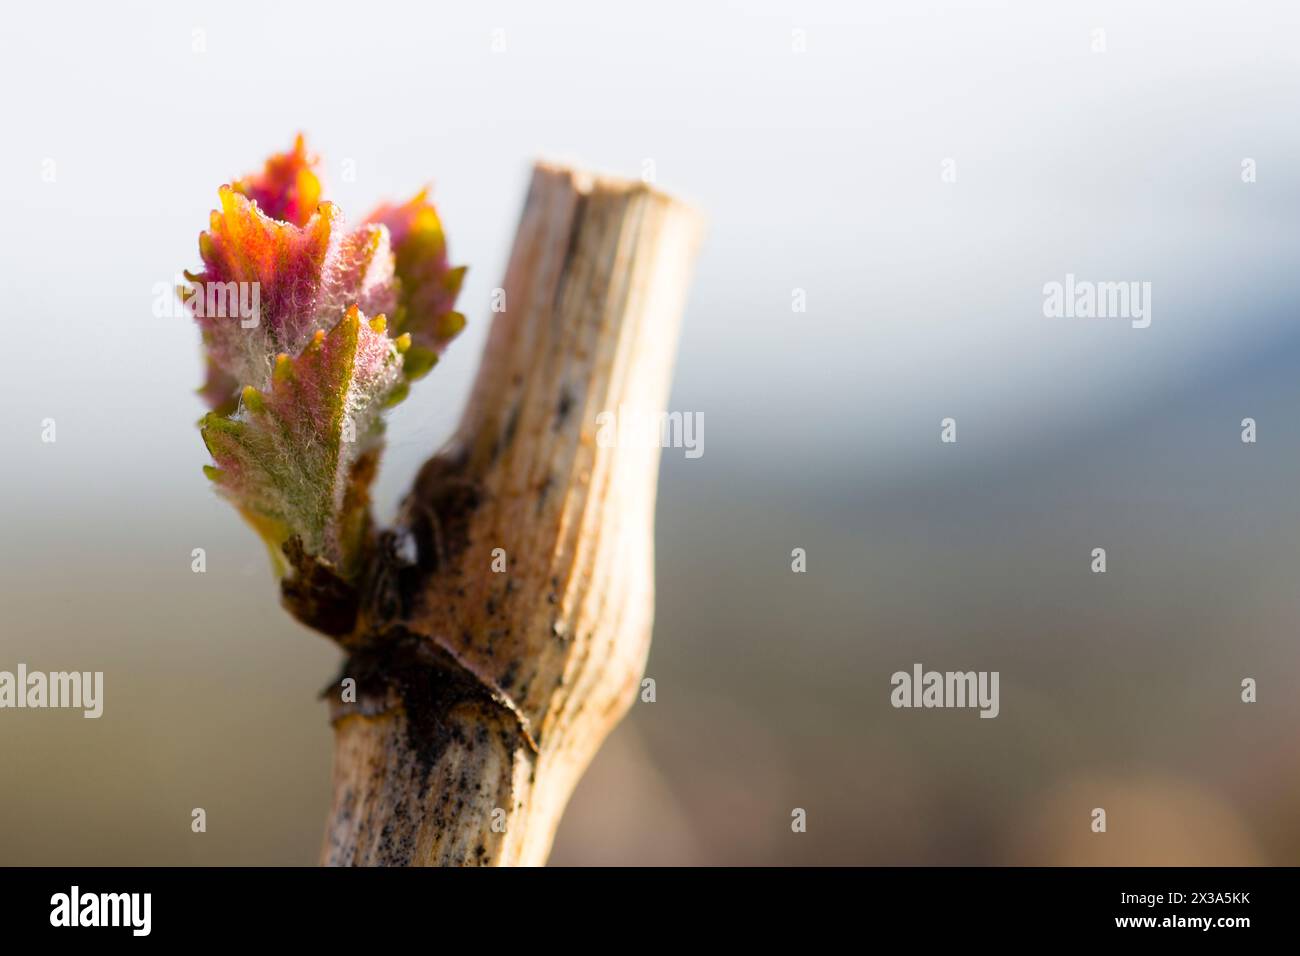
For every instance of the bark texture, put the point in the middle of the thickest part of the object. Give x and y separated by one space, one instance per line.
482 695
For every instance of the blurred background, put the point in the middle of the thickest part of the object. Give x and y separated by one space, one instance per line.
820 171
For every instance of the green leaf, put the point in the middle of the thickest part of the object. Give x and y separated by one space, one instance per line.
286 459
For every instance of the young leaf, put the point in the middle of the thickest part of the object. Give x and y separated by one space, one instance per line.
286 459
268 285
427 285
296 375
288 187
